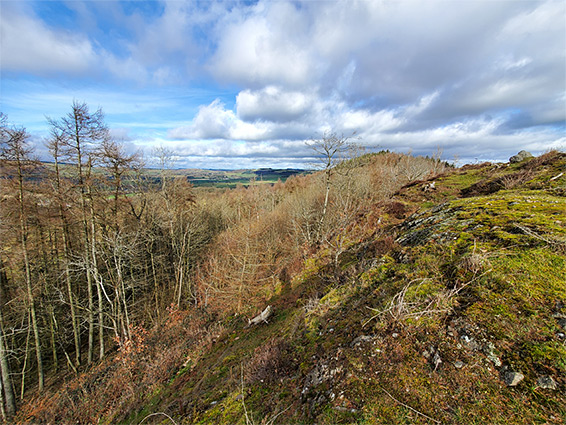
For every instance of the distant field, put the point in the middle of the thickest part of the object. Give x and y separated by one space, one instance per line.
228 178
210 178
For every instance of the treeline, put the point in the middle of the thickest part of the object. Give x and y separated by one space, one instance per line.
89 255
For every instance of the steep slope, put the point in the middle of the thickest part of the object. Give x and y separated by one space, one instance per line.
455 314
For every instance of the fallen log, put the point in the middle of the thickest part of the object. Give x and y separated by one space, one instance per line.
262 317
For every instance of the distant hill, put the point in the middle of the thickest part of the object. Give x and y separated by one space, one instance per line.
204 177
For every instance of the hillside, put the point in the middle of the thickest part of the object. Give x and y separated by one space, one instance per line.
443 301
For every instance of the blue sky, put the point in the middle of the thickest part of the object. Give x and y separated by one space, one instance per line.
232 84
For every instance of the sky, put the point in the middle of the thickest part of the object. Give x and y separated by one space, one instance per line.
245 84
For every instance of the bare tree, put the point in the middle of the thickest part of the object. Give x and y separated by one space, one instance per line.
118 164
332 150
15 155
61 191
81 133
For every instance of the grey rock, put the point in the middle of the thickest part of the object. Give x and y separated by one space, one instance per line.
362 338
547 382
458 364
512 379
489 351
433 357
521 156
345 409
321 373
262 317
436 360
469 342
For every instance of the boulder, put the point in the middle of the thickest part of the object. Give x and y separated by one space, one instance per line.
521 156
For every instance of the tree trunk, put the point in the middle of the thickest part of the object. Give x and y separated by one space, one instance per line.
98 281
23 236
4 365
66 253
76 332
6 382
52 325
23 373
325 206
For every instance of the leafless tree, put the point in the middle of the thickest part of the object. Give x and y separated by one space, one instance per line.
332 151
16 156
81 133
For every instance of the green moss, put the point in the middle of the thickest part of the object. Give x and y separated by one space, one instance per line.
230 358
551 353
536 275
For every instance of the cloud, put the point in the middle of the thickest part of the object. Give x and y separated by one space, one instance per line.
211 122
273 113
121 134
264 45
484 136
251 79
272 104
214 121
29 45
481 54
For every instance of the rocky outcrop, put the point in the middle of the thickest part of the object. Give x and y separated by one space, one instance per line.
521 156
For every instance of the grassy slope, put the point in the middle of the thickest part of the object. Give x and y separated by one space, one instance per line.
416 324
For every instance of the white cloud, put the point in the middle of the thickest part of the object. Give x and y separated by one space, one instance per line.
476 76
394 53
264 46
276 116
272 104
214 121
29 45
120 134
125 69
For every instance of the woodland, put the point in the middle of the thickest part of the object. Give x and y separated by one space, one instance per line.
115 288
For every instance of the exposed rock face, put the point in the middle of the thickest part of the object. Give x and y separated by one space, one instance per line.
321 373
521 156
